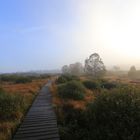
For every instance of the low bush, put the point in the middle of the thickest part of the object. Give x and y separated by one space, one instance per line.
61 80
20 80
90 85
8 78
44 76
115 115
73 124
16 78
71 90
15 101
66 78
10 105
108 85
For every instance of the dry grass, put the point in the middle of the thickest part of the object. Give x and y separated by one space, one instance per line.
117 79
83 78
32 87
56 100
79 104
89 96
28 91
6 129
125 80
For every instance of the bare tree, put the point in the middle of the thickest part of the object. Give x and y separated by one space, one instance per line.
94 66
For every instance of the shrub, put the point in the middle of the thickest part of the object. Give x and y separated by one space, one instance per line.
15 78
8 78
73 125
44 76
108 85
90 85
61 79
71 77
66 78
10 105
71 90
23 80
115 115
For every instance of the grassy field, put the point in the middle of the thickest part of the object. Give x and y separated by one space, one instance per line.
16 96
86 108
102 109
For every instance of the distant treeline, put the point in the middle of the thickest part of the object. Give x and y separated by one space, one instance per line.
93 66
17 78
133 73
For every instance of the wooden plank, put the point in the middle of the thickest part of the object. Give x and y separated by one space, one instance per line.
40 122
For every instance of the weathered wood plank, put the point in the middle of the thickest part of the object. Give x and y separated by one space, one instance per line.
40 122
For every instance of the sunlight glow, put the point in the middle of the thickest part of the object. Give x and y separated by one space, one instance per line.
112 28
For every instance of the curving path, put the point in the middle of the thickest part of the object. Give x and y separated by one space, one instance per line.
40 122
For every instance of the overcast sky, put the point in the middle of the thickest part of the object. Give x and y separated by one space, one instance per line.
46 34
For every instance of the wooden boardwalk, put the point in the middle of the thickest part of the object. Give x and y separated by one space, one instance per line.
40 122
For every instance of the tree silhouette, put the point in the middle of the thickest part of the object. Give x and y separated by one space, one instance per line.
94 66
132 72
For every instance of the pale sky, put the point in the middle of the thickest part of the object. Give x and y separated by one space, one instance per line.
44 34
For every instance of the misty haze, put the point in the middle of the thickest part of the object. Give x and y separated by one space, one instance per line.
70 70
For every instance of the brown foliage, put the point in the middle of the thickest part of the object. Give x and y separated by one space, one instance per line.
29 90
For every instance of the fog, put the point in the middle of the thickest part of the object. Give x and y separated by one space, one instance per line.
42 35
111 28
